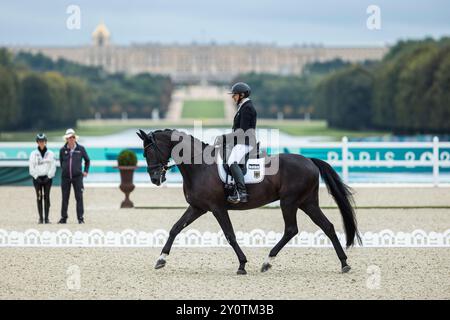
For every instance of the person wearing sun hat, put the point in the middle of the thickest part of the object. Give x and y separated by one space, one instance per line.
71 156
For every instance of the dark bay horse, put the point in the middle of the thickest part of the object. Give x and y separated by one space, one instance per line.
296 185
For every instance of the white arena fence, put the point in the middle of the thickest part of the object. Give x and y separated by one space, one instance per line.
436 158
129 238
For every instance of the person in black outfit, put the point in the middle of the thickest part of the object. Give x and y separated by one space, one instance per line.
244 125
70 158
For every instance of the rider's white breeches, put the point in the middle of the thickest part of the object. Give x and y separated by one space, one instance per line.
238 153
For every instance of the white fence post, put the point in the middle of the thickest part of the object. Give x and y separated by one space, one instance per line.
345 159
436 161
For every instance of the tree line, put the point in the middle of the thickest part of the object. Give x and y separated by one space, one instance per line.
291 96
407 92
37 92
36 100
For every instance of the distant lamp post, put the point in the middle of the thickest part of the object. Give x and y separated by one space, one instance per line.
307 116
155 114
308 113
280 116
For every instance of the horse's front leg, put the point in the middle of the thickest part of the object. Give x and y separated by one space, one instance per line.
189 216
225 223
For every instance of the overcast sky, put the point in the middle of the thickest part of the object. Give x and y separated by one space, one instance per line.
284 22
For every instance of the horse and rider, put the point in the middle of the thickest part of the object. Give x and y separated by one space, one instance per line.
295 184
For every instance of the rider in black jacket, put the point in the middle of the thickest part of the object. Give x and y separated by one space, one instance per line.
70 158
244 125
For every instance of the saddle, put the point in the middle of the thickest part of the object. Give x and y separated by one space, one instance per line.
253 169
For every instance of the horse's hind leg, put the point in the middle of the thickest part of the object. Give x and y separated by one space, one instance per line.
318 217
189 216
223 218
289 210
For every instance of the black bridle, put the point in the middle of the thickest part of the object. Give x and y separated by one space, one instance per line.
161 165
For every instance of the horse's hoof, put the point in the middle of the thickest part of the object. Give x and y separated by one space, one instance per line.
160 263
265 267
241 271
346 269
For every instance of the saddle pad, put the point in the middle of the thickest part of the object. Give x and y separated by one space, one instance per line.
255 171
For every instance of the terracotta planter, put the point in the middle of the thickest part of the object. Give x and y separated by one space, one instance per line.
126 185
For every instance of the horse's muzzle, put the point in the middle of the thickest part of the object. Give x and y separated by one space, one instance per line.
158 178
156 181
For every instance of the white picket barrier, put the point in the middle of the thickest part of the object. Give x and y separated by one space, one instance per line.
129 238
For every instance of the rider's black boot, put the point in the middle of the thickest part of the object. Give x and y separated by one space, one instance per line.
241 192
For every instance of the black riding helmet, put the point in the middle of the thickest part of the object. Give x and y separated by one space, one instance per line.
41 137
241 87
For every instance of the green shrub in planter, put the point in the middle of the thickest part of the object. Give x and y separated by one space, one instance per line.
127 158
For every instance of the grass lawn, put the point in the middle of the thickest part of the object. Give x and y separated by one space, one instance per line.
107 127
319 128
57 135
203 109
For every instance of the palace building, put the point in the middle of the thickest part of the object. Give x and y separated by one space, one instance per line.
202 62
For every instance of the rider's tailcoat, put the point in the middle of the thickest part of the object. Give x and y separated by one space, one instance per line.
245 118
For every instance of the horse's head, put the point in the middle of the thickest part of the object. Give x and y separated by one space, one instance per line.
157 153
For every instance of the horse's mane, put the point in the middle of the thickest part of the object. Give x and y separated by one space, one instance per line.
184 134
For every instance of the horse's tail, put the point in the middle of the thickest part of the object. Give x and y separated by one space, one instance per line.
343 196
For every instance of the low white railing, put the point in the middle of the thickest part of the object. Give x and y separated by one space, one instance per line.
433 159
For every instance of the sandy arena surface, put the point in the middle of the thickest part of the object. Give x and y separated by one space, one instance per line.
209 273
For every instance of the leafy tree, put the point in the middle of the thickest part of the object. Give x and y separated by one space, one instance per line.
325 67
36 102
109 94
5 58
410 88
345 98
9 98
439 95
272 94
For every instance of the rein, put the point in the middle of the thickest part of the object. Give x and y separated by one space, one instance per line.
158 152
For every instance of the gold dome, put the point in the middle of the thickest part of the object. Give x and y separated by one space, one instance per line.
101 30
100 36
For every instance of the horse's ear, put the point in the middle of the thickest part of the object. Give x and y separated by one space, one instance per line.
141 134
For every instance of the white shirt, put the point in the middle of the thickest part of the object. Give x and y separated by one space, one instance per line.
242 102
42 166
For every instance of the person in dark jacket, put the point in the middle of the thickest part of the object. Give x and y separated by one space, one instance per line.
70 158
244 125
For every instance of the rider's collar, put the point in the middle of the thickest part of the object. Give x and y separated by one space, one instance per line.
242 102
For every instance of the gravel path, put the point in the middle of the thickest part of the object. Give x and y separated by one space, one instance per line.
209 273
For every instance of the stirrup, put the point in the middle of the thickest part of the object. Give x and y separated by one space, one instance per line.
230 199
244 198
234 198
